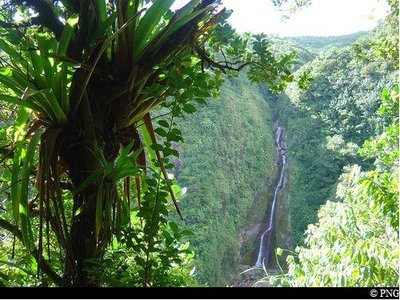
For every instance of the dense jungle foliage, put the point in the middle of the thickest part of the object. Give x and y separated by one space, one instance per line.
86 184
226 190
153 142
355 241
326 126
328 123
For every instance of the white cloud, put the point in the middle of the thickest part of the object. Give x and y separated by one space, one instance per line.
322 18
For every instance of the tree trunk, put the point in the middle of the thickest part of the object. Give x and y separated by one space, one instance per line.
82 237
90 131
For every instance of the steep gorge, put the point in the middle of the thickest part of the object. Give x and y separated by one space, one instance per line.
230 166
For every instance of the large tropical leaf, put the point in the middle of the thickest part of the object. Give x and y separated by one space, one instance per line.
18 101
147 24
26 227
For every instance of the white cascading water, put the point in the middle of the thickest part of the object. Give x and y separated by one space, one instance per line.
265 241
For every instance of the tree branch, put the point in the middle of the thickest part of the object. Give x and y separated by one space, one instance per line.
212 63
46 16
44 266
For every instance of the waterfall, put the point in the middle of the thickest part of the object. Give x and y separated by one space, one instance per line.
265 241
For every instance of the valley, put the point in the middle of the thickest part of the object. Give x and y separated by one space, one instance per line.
244 119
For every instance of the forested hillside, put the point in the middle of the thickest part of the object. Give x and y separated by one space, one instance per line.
320 43
355 240
325 127
228 165
328 123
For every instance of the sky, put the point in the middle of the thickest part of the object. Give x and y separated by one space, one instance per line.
321 18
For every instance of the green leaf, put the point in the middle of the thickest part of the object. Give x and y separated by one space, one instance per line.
187 233
104 28
15 184
7 79
37 67
17 266
160 132
101 9
169 239
147 24
63 84
189 108
78 211
12 53
99 209
59 115
26 228
99 55
157 147
169 151
169 30
163 123
18 101
21 80
183 21
148 142
67 34
89 180
5 71
48 69
174 227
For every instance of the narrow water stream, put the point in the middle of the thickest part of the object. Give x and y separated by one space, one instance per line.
265 248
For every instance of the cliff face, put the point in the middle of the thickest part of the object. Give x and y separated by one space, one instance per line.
228 164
